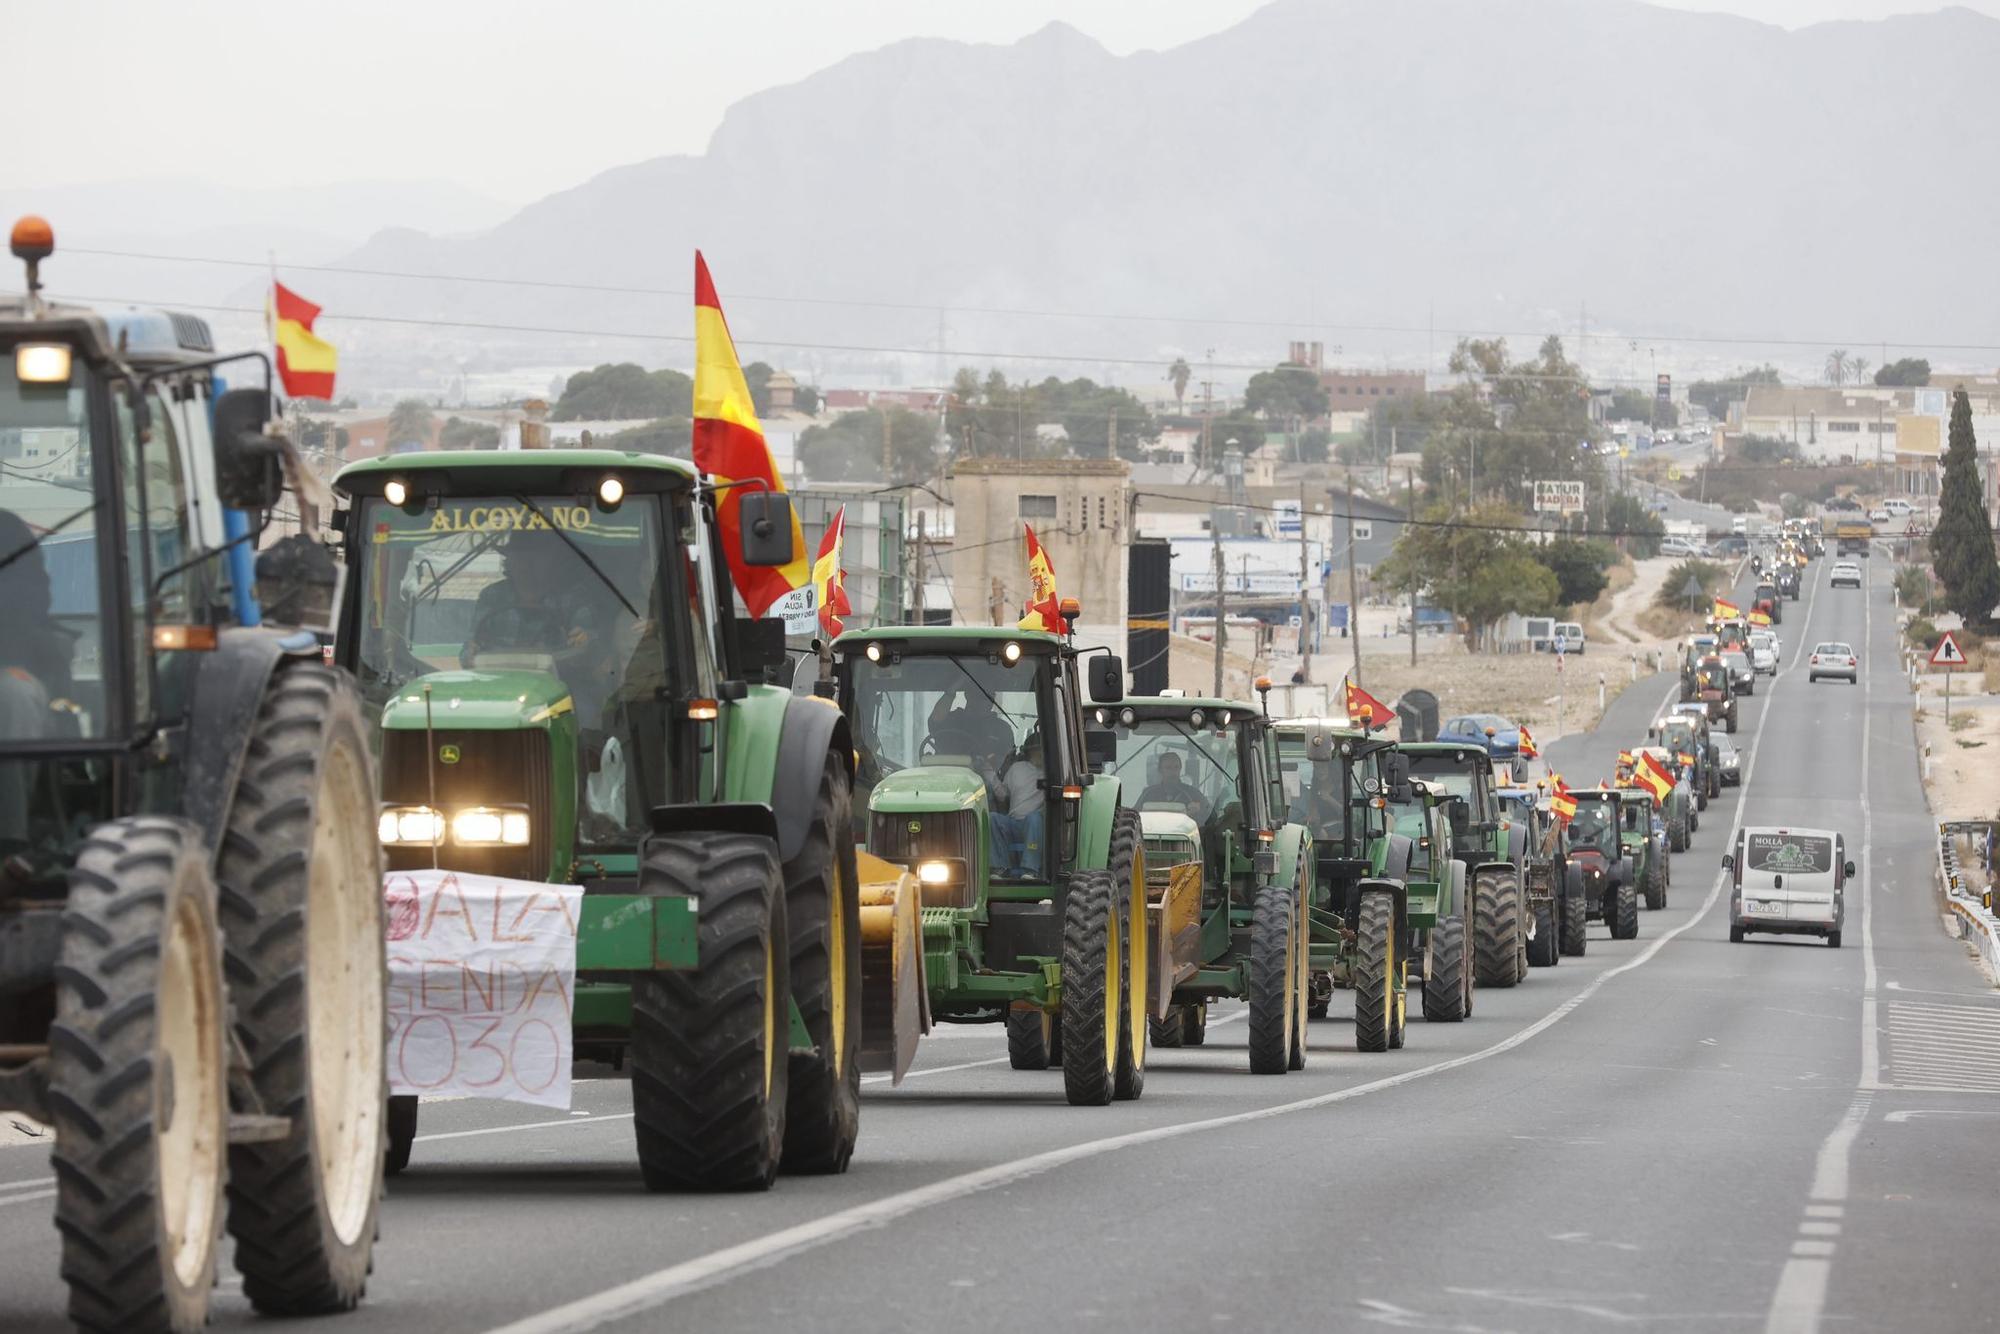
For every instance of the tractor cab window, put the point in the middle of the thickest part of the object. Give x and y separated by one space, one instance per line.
51 597
1325 796
1167 764
1634 818
1595 825
1454 776
535 604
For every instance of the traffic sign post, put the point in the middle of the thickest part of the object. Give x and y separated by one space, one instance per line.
1949 656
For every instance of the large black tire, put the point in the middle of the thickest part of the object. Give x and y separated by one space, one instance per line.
1624 914
1301 964
1090 995
1167 1032
299 885
1575 922
1127 866
1543 948
1194 1024
1273 962
139 1029
1677 834
1496 918
1656 886
1030 1034
1444 980
1375 969
402 1133
709 1044
823 921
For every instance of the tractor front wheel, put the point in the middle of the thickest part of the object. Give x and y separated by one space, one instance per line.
1444 980
1030 1035
1656 887
1167 1032
402 1133
1127 865
1375 970
1543 949
1091 974
1301 975
1624 913
1194 1024
823 921
1575 922
136 1079
709 1045
1496 907
1272 969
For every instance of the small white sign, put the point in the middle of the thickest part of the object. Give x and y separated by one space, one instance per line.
482 980
798 609
1947 653
1559 497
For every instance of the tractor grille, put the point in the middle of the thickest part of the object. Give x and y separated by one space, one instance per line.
902 837
493 769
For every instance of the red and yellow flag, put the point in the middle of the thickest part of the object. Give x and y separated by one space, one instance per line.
306 362
1650 774
729 448
1529 750
829 580
1686 760
1725 610
1044 609
1563 802
1760 618
1365 709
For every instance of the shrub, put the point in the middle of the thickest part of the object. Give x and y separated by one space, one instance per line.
1708 574
1921 633
1913 585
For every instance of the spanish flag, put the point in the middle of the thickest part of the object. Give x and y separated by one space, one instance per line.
829 580
1365 709
1044 609
306 362
1686 760
1563 802
729 448
1760 618
1725 610
1529 750
1624 759
1653 776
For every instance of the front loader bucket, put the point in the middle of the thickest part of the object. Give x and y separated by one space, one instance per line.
895 1006
1173 929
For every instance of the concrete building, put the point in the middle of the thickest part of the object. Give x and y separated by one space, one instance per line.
1855 424
1079 509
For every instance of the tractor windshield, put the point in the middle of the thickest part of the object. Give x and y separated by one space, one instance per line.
1595 826
973 712
49 591
1173 767
1323 795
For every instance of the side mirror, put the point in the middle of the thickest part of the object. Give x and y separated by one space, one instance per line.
1459 812
1107 678
1728 861
766 518
1099 749
1849 869
1396 770
1266 863
249 474
760 647
299 582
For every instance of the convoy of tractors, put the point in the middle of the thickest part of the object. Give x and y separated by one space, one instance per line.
525 665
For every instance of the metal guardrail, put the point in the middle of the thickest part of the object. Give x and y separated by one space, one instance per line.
1972 903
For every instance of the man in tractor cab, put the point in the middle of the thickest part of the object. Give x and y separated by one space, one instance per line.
972 726
1594 826
1174 790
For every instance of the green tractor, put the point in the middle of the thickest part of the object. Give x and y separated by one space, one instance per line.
1643 830
1438 938
1339 783
1227 881
191 958
564 696
1492 846
1558 918
974 776
1679 814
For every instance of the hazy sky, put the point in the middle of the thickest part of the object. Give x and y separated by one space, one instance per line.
512 98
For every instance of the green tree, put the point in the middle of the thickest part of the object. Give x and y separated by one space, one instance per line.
1627 519
1314 444
1180 373
458 433
1717 395
410 423
1286 392
849 448
1579 567
671 436
1962 542
1511 423
625 392
1476 562
1906 372
806 399
758 376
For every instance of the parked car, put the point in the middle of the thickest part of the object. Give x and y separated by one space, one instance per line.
1569 634
1682 547
1788 882
1833 659
1846 572
1898 506
1728 761
1501 737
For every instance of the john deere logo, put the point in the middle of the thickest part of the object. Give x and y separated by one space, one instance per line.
447 754
916 826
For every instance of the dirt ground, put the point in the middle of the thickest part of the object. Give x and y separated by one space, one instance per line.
1963 781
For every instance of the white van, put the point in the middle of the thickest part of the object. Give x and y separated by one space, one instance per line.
1788 882
1569 635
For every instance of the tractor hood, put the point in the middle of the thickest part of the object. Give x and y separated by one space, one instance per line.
479 700
941 787
1169 824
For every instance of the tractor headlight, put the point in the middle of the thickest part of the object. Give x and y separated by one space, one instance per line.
940 871
42 363
488 826
401 825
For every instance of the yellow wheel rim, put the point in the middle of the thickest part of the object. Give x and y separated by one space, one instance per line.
1389 977
770 1017
837 967
1138 1005
187 1088
1112 970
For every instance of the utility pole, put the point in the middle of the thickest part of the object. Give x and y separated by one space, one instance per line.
1305 585
1221 608
1353 582
887 455
1410 486
1207 417
917 593
1111 442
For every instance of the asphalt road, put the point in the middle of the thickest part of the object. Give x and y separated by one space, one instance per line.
1672 1132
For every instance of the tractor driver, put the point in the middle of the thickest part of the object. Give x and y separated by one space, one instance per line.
1318 806
34 661
973 726
1173 790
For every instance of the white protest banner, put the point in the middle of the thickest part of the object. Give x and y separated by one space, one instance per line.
482 975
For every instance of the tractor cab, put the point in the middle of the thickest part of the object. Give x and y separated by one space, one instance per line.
1465 775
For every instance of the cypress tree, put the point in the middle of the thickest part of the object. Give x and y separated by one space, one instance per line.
1962 543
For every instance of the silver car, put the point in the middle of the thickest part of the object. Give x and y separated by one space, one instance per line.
1834 659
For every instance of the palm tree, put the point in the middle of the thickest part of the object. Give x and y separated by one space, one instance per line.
1180 374
1858 368
1837 364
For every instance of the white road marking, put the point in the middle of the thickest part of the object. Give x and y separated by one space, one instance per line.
705 1271
27 1197
28 1184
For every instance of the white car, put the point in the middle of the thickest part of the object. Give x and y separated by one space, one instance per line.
1879 515
1897 506
1764 659
1846 572
1833 659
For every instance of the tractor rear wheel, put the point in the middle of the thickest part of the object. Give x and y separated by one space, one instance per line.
1656 887
1543 951
1029 1037
299 885
1624 913
1127 865
1496 909
1444 979
1677 835
1375 972
1301 975
709 1045
137 1079
1575 922
1271 970
402 1133
823 920
1091 974
1167 1032
1194 1024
